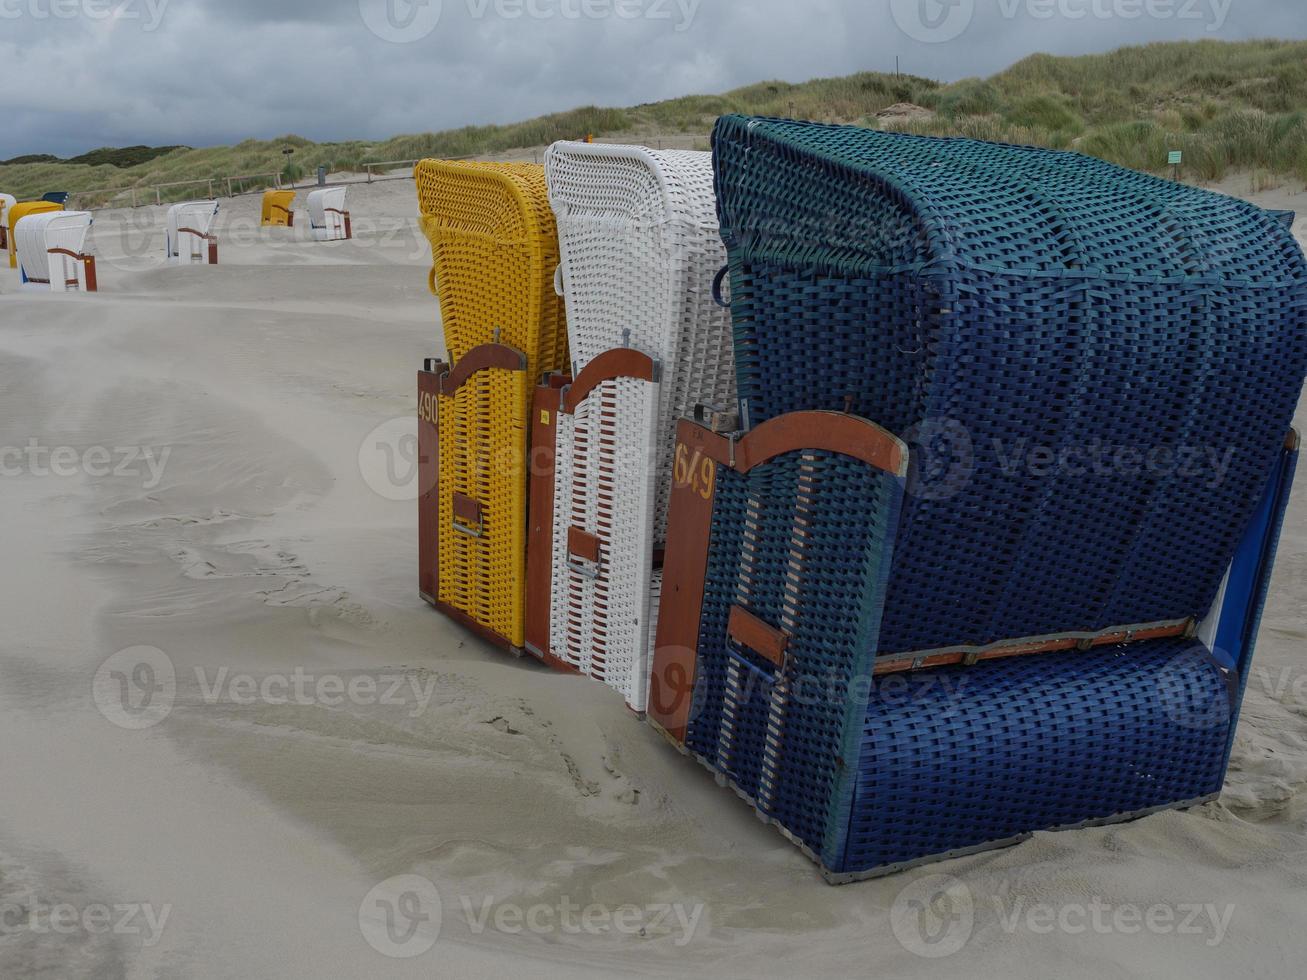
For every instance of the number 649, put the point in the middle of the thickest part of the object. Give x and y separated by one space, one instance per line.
697 472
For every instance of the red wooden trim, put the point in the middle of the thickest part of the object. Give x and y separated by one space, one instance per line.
428 484
762 638
467 511
540 522
621 362
835 432
484 358
90 284
582 544
210 238
1025 647
689 527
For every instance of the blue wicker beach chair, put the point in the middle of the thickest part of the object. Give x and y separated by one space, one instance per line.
990 555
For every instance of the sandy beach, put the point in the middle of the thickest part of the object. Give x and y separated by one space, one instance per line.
216 464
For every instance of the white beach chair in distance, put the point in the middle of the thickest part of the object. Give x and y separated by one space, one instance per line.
52 251
6 202
189 236
327 214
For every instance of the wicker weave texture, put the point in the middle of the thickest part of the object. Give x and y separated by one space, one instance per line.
1001 307
494 249
483 446
940 760
958 757
803 543
640 246
601 612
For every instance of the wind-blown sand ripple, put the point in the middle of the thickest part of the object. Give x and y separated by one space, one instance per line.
260 553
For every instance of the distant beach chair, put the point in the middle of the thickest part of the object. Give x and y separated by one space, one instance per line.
56 197
189 238
277 212
16 213
6 202
327 215
51 251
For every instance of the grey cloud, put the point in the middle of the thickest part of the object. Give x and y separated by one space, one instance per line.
217 71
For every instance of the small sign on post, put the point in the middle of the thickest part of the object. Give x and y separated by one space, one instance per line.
1175 158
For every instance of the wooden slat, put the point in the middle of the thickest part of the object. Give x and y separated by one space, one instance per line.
466 510
582 544
762 638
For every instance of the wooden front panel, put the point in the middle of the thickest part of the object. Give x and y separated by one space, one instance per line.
428 480
689 527
540 520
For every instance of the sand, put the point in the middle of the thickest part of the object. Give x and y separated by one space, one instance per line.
258 828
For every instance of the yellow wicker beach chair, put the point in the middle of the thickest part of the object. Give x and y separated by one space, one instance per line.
277 209
495 251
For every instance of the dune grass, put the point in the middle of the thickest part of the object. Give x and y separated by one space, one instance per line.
1228 106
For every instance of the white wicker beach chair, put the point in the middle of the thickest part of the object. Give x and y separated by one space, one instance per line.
640 246
189 236
327 214
51 251
6 202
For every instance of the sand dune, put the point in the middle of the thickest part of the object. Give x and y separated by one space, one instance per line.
253 536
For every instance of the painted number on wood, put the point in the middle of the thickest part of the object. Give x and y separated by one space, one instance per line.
427 411
696 472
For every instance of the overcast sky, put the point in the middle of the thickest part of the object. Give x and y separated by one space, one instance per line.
79 74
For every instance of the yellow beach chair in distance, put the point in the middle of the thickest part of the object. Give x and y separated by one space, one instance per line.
16 213
277 211
494 252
